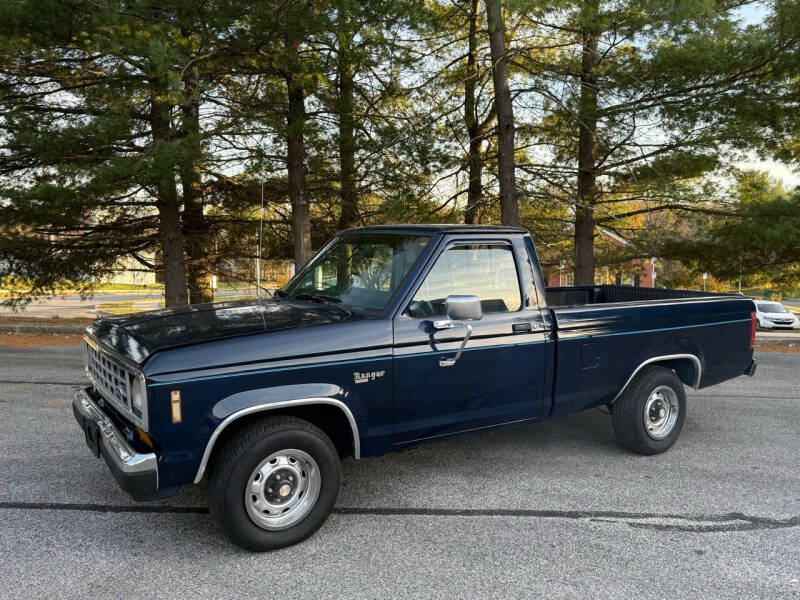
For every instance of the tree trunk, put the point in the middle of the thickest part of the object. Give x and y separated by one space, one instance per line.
169 221
195 231
346 107
169 232
474 159
197 238
295 165
509 210
587 151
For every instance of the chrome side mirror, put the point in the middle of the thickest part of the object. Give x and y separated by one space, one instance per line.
463 308
460 310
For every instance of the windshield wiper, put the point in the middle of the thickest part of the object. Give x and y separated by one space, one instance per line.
317 297
324 299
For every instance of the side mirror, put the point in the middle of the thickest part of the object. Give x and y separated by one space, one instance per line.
460 310
463 308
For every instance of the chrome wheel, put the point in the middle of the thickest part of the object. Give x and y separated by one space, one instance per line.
282 489
661 412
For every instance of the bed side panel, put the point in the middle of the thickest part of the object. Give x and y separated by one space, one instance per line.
599 347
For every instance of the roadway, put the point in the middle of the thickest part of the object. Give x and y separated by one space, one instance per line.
552 510
75 307
72 307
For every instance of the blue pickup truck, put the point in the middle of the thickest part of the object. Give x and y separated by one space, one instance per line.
390 337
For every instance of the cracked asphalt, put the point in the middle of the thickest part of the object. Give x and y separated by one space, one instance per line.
555 509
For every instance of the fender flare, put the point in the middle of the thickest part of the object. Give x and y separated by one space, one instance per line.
273 406
667 357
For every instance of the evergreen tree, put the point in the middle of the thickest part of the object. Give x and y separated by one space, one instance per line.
633 103
754 237
105 154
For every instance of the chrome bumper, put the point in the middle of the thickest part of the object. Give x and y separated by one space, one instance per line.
135 473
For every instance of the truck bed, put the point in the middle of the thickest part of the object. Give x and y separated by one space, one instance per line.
605 333
607 294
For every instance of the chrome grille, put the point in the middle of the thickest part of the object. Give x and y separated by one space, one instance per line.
115 382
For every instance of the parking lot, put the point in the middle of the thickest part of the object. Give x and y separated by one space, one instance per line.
555 510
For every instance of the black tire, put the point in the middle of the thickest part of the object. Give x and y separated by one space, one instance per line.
628 412
238 459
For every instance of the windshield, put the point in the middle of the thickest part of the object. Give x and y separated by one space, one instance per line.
771 307
362 270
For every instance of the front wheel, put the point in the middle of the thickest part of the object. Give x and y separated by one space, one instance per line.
649 415
274 483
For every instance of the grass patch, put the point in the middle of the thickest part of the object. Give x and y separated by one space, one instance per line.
127 307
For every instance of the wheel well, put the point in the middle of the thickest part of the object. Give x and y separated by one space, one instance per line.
684 368
330 419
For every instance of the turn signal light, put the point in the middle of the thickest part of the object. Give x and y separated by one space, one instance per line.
144 437
175 401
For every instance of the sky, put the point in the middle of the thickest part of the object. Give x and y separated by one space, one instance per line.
752 14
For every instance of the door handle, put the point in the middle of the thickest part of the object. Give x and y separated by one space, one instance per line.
527 326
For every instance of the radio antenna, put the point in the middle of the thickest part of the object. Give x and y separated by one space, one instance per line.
260 234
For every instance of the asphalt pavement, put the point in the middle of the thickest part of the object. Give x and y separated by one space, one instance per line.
552 510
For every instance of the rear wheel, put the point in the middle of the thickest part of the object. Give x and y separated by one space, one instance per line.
649 415
274 483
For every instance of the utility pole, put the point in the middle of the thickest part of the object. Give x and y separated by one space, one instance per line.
653 268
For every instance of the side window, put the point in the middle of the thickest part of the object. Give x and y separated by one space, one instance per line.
483 270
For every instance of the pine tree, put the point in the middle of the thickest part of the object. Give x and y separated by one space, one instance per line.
634 102
754 237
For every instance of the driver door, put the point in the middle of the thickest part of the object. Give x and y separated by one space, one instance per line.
500 376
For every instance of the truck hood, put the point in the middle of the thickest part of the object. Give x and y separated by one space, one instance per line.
137 337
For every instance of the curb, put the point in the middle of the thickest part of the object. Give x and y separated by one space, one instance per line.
778 341
36 328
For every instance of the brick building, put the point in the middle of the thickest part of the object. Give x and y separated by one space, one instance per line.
638 272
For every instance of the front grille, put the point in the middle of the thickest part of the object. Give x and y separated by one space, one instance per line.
115 382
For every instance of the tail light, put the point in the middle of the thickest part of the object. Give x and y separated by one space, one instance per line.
753 327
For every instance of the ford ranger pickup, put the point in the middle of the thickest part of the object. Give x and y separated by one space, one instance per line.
390 337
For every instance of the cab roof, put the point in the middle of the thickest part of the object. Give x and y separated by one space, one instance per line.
434 228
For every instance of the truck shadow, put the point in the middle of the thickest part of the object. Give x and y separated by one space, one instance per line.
463 469
501 469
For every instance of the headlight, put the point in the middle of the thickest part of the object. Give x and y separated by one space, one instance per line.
138 393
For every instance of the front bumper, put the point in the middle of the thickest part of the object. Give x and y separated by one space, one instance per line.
135 473
772 325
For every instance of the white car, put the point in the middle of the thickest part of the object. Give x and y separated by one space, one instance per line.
774 315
